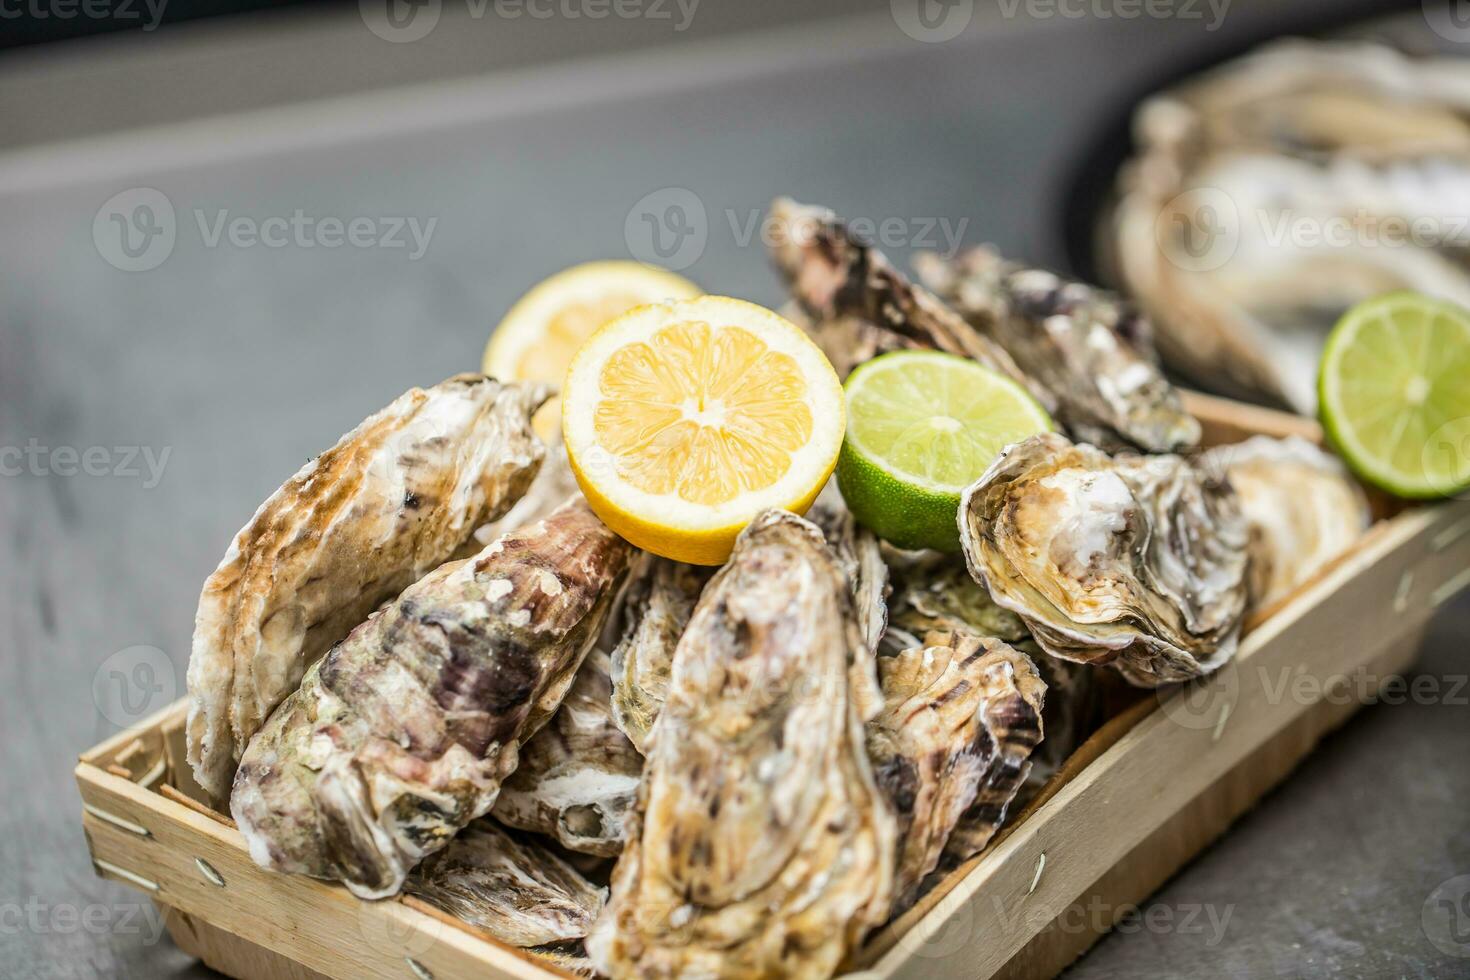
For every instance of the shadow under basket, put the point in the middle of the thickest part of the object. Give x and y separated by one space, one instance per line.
1147 792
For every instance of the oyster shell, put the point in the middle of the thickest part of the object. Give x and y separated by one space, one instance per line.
936 592
660 598
577 776
760 845
554 485
395 497
1011 708
835 277
519 892
861 557
1302 506
1136 562
1268 196
1073 710
954 719
403 733
1087 347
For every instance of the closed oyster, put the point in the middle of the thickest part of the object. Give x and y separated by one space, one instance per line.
1270 195
1074 709
660 598
833 276
861 557
1136 562
403 733
936 592
1302 506
960 717
554 485
760 845
516 890
1013 692
394 498
1087 347
578 775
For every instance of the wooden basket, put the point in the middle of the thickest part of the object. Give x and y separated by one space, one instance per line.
1138 800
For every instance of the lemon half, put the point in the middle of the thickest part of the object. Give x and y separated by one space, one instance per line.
683 420
538 337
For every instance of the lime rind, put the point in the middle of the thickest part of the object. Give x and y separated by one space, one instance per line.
901 403
922 426
1394 394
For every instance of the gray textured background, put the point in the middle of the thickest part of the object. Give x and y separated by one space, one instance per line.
530 147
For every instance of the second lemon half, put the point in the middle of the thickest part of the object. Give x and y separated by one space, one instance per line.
683 420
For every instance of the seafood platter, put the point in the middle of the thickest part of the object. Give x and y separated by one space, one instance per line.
631 688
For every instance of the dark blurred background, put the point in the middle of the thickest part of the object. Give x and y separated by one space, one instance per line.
518 145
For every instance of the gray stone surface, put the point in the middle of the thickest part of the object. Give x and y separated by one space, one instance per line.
240 362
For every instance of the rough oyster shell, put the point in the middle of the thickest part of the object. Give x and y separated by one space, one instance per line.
395 497
861 557
1301 504
516 890
760 845
1136 562
1086 346
578 775
960 716
1269 195
935 592
403 733
837 279
656 608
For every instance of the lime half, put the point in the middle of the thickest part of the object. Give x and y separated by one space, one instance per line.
1395 394
921 427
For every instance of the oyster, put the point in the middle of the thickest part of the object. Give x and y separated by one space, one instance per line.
760 845
1268 196
394 498
554 485
519 892
861 557
1011 707
936 592
1302 506
960 716
578 775
1092 351
403 733
835 277
1136 562
1073 710
660 598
